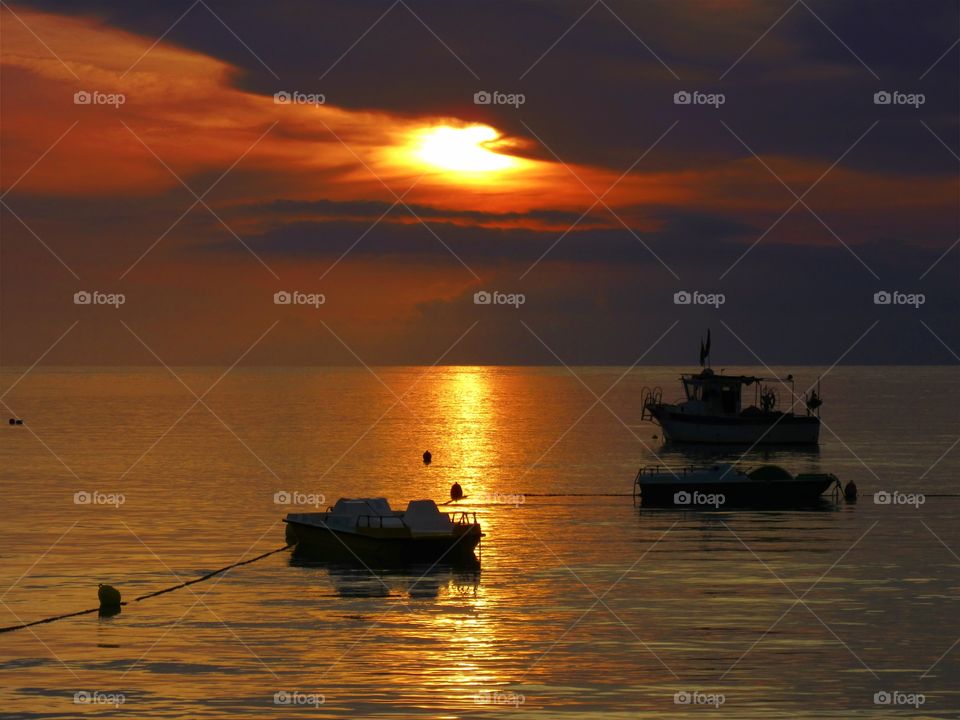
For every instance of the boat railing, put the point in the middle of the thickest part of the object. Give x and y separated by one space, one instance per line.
649 397
463 517
657 469
376 521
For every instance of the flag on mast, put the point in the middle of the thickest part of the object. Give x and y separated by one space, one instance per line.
704 349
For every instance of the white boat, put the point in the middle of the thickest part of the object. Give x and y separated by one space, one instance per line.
713 410
369 530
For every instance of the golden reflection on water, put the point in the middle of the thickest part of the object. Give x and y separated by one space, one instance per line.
688 585
469 425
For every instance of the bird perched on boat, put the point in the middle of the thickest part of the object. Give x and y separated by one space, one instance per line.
456 492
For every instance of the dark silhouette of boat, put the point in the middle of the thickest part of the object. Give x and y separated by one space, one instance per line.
724 485
368 530
713 410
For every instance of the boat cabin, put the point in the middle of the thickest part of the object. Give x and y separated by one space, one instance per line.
715 394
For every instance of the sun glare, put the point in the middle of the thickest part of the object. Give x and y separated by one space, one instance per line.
469 149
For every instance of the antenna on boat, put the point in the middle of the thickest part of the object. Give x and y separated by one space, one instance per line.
705 351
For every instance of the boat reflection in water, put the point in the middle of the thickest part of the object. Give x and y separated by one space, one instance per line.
426 581
686 454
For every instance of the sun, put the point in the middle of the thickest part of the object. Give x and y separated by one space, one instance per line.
470 149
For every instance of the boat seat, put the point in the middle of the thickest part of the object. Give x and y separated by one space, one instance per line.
423 517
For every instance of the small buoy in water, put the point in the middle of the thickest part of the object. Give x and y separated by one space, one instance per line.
12 421
427 457
109 598
456 492
850 491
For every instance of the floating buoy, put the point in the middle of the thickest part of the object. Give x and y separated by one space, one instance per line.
427 457
850 491
109 598
12 421
456 492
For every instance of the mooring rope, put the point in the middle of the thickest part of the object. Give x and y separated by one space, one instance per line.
179 586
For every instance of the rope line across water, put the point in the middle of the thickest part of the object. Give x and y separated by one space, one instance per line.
179 586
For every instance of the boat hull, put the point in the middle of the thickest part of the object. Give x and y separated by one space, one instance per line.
683 495
740 430
383 546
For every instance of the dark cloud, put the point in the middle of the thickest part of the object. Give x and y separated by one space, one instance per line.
599 96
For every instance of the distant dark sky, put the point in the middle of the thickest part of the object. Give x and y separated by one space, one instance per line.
815 166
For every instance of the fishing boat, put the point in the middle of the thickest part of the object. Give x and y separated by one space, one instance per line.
369 530
716 409
726 485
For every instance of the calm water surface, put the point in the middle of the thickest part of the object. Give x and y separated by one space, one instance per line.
585 605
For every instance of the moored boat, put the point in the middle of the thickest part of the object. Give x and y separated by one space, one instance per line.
724 485
715 410
369 530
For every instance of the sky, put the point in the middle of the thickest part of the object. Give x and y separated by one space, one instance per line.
189 166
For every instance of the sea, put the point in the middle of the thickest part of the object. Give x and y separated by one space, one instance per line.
584 603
